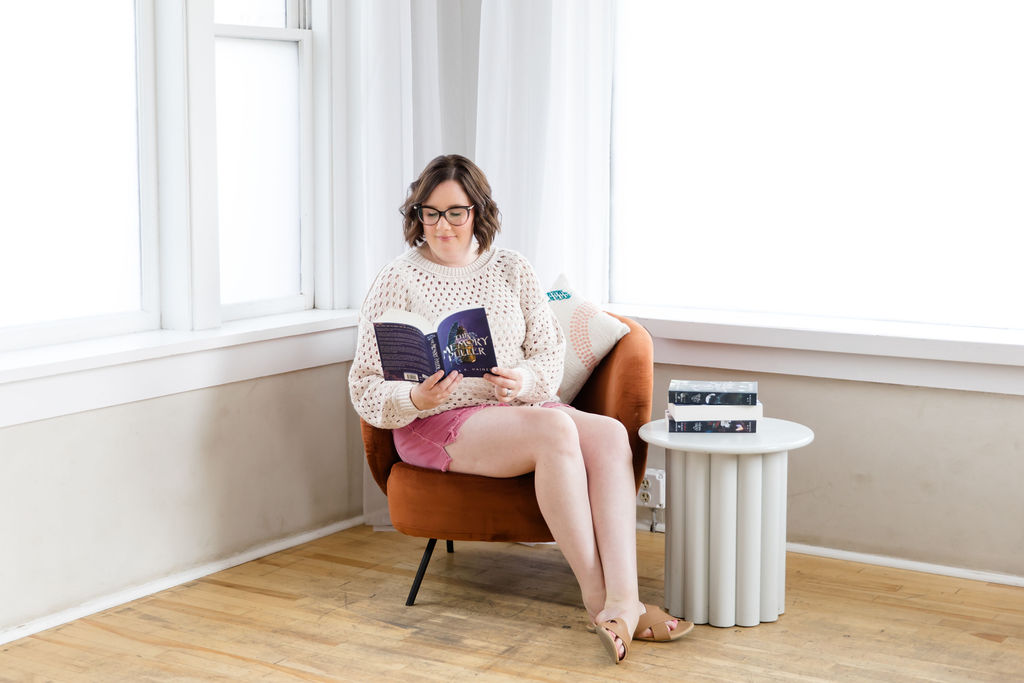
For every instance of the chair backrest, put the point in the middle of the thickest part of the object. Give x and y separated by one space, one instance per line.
621 386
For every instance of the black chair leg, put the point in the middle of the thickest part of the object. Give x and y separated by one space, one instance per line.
451 546
427 552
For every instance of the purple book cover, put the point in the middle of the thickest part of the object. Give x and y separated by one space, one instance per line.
411 350
465 343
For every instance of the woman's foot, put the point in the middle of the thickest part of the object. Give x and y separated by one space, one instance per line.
670 624
627 617
659 626
615 637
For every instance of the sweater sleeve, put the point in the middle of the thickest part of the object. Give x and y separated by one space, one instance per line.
382 403
544 344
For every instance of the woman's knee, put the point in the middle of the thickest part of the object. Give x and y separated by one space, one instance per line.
608 436
556 432
607 429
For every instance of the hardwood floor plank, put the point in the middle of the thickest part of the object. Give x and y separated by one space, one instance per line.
334 610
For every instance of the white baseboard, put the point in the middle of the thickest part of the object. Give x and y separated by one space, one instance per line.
650 519
644 524
899 563
134 593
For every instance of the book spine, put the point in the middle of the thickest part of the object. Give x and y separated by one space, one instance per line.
712 426
435 351
710 398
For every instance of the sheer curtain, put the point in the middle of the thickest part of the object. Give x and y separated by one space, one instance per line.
404 91
375 146
543 132
521 86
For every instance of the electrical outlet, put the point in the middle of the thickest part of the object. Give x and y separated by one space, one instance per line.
652 489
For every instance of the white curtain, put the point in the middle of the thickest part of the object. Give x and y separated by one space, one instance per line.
404 92
379 85
543 132
521 86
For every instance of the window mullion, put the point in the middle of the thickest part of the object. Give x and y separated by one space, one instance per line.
307 177
298 13
186 140
148 159
321 105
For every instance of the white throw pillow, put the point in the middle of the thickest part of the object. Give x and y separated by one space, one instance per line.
590 334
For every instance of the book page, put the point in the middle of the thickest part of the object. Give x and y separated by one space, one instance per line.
404 352
394 315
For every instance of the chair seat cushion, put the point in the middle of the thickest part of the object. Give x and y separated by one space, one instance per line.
433 504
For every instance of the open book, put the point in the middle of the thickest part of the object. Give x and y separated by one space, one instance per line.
412 348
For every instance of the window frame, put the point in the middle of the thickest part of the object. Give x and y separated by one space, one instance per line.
176 135
188 345
303 39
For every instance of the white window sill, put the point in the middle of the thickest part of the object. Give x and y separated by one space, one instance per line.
45 382
49 381
968 359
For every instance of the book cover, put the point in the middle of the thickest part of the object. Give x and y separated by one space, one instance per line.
692 413
699 392
711 426
412 349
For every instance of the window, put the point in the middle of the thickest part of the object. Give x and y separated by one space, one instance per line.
860 160
112 143
263 101
71 241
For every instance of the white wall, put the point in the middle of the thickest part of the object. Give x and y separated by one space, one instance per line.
929 475
97 502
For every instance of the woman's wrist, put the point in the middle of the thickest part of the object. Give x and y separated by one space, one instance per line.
403 400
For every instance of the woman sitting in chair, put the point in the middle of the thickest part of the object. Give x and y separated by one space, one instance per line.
509 422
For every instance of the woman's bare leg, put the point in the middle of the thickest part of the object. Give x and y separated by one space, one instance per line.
508 442
585 489
609 462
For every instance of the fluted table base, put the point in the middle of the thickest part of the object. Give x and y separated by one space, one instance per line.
725 545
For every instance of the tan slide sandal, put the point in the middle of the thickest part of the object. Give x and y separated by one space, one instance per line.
618 627
655 619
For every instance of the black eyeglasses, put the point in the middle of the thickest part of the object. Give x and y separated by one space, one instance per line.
455 215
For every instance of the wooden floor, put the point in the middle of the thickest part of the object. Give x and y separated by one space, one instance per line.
333 609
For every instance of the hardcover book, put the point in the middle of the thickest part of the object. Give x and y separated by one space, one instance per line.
691 413
412 349
710 426
696 392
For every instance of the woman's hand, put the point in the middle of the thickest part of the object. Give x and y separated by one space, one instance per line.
508 382
434 390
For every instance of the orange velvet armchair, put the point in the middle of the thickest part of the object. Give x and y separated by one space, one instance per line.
464 507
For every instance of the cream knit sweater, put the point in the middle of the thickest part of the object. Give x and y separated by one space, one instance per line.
525 331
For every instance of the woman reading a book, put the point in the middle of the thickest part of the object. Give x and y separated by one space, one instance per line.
582 462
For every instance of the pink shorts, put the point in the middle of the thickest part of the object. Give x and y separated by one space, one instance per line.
422 442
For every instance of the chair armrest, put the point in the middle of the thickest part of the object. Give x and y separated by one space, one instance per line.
380 452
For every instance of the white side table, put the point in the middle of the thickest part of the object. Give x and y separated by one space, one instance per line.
725 540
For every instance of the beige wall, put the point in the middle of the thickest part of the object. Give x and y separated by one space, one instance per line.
929 475
102 501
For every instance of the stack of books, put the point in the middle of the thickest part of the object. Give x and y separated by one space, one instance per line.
701 406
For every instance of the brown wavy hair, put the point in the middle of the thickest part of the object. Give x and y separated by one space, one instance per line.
486 218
